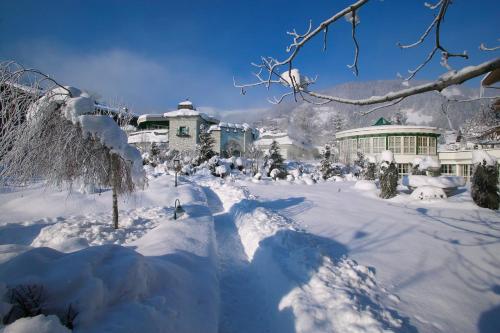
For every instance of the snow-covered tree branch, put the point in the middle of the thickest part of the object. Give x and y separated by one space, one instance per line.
51 132
272 71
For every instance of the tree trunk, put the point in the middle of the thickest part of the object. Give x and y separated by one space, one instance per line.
114 181
115 208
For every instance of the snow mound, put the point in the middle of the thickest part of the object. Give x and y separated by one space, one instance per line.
365 185
443 182
428 193
38 324
77 232
387 156
320 307
478 156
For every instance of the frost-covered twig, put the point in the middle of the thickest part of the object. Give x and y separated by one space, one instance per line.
483 47
436 23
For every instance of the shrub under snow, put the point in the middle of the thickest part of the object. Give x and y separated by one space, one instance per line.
388 175
427 192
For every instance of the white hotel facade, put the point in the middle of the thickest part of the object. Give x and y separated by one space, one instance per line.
406 142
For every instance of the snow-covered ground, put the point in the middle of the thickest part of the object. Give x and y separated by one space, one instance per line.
254 256
162 280
439 261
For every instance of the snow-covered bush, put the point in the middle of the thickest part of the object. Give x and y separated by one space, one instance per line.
425 166
484 184
221 171
388 175
428 192
240 163
370 170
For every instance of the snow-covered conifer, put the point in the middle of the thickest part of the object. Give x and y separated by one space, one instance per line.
205 147
275 160
370 170
325 167
388 175
484 186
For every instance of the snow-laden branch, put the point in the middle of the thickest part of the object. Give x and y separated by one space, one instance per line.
483 47
281 72
448 79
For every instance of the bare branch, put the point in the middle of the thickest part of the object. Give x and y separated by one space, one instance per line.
382 106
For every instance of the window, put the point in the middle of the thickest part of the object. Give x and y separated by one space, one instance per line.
466 171
395 144
378 145
409 145
353 149
449 169
432 146
426 145
183 131
364 145
423 145
403 168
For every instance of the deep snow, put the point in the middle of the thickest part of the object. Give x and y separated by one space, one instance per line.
279 256
439 259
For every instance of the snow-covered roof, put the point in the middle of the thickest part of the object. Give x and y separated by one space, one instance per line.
150 117
190 113
284 139
186 103
388 129
149 136
229 126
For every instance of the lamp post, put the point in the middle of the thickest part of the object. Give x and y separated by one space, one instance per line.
177 168
177 208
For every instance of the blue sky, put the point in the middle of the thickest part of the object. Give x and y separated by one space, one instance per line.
151 54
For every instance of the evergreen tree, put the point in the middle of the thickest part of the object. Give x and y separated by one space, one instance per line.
359 164
388 176
275 160
154 155
205 147
325 167
370 170
484 188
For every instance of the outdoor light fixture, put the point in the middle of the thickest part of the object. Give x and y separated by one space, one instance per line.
177 208
177 168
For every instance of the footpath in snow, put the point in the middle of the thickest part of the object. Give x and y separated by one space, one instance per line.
153 275
275 277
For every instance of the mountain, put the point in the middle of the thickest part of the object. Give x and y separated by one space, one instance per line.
318 124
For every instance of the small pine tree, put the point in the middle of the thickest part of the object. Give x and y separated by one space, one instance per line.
154 155
325 167
388 176
484 187
275 160
205 147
